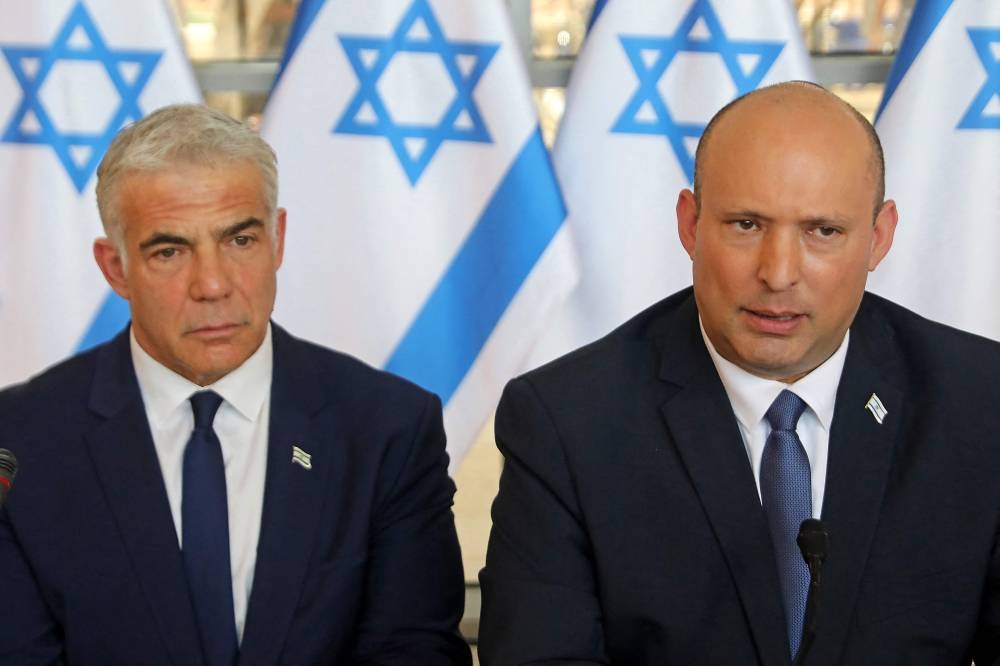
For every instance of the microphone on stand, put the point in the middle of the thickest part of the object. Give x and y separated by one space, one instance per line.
8 470
814 541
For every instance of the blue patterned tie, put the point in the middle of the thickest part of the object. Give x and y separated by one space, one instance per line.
785 488
205 526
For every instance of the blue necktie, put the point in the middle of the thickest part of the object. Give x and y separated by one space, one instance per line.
785 488
205 527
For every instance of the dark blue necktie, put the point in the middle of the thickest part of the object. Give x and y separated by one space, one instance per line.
785 489
205 526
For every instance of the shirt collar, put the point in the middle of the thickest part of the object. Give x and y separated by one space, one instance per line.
751 396
163 390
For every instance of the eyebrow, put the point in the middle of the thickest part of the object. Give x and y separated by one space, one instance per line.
249 223
163 238
745 213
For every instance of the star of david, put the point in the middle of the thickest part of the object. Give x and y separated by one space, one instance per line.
78 40
699 32
984 112
416 143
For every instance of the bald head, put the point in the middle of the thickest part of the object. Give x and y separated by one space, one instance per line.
800 107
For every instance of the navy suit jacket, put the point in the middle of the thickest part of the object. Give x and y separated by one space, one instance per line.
357 560
628 527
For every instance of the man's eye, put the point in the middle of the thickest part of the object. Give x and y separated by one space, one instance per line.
745 225
827 232
242 241
166 253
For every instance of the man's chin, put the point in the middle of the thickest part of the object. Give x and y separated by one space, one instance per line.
786 366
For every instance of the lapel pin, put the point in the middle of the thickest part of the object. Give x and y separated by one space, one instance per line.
300 457
876 408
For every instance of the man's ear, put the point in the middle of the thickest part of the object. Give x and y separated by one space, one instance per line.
883 231
112 264
279 236
687 220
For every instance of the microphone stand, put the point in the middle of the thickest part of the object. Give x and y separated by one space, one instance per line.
814 542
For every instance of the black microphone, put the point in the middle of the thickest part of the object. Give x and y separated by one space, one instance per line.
814 541
8 470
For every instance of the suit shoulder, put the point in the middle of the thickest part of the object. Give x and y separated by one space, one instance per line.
933 348
627 352
338 370
60 384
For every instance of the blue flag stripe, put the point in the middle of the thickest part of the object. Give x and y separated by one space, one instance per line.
595 12
111 318
304 17
926 17
517 225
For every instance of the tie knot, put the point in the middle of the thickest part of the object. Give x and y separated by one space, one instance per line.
784 412
205 404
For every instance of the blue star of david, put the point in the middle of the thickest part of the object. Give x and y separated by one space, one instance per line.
77 40
636 117
415 144
976 117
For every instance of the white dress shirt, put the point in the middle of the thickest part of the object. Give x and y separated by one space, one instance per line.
241 425
751 396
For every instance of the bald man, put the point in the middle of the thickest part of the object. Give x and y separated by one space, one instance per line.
656 481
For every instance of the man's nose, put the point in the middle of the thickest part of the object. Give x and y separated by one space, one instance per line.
780 259
210 279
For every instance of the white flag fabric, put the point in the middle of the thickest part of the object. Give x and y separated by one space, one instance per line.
650 76
71 74
425 226
940 127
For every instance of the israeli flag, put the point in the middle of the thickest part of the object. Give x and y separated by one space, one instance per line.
940 126
650 76
72 73
425 226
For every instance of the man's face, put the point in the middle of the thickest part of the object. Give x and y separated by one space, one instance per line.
200 277
784 239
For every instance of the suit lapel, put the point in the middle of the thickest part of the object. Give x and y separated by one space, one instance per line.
292 501
122 451
860 456
704 428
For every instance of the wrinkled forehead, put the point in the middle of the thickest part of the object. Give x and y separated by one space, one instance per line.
192 190
182 176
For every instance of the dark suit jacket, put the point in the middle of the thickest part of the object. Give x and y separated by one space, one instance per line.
357 561
628 527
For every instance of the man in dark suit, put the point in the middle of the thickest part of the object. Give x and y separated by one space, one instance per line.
655 480
205 488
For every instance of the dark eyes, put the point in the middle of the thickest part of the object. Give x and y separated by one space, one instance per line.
821 231
242 241
744 225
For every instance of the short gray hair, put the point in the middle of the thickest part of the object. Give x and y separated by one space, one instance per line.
180 134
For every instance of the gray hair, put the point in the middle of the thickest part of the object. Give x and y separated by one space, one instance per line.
185 134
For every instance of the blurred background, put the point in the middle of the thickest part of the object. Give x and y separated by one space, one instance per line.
236 45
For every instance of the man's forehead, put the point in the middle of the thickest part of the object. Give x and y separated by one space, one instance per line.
163 202
772 128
